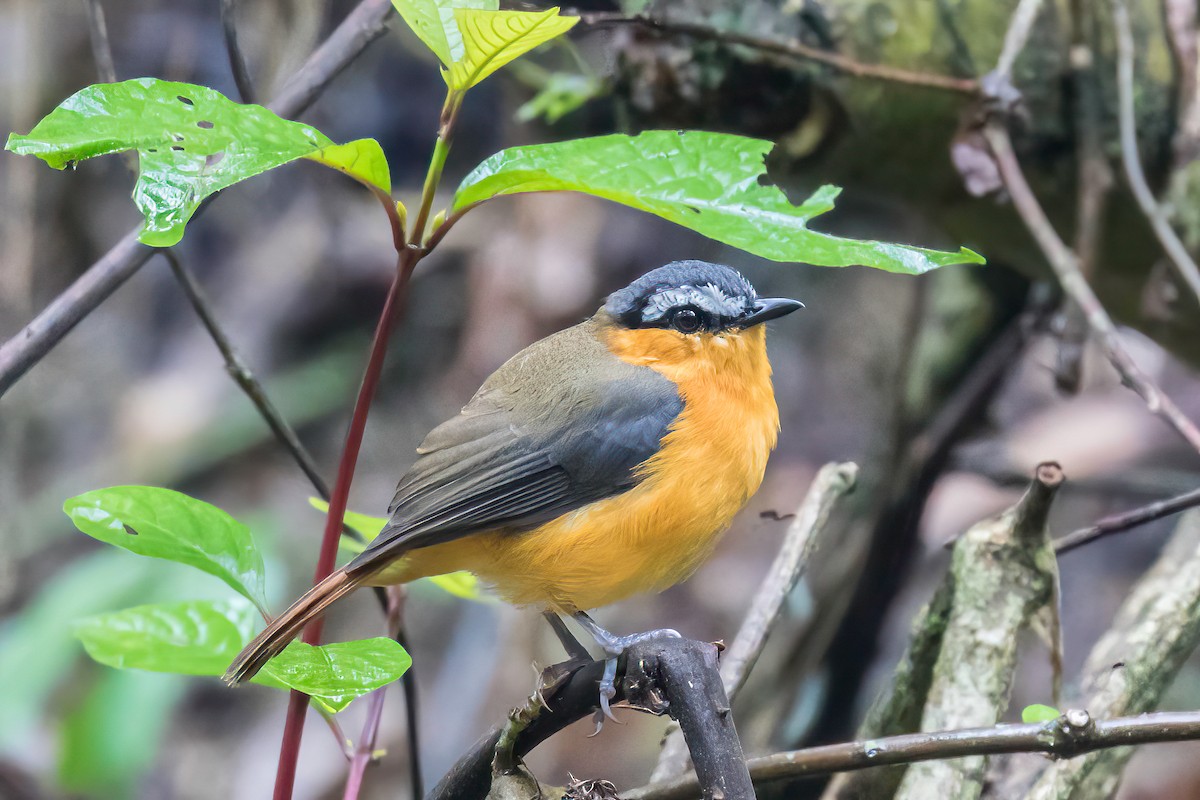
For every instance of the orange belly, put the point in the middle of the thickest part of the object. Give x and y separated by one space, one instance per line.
653 536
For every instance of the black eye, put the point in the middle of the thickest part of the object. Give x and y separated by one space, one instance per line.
687 320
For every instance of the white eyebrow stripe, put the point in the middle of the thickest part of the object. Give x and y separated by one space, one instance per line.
708 298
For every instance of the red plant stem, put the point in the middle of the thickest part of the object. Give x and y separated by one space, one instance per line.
293 729
370 732
408 256
366 745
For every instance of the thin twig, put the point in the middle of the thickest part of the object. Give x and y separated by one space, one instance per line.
1066 267
1118 523
361 27
240 373
1133 663
791 49
1179 19
365 751
832 483
1094 183
412 715
1176 252
237 59
1020 26
106 68
1073 734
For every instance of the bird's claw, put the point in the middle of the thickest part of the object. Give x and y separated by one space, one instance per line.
608 690
614 647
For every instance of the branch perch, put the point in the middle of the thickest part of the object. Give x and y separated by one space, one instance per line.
1003 574
832 483
1130 667
674 676
1073 734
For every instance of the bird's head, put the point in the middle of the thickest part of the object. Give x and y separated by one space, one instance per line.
685 307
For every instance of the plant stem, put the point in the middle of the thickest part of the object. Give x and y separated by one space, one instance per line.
397 297
370 733
293 731
437 163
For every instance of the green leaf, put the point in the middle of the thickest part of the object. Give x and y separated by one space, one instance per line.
562 93
198 637
434 24
202 637
1039 713
708 182
113 737
369 527
335 674
191 141
162 523
491 39
362 159
460 584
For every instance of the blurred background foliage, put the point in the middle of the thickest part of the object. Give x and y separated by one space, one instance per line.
297 263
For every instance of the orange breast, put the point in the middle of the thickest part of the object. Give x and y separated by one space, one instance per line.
711 461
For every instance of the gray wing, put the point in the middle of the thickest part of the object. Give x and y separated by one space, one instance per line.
541 438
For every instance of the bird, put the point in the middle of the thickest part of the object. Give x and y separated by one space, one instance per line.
600 462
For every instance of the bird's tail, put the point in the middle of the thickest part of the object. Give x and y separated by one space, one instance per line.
288 625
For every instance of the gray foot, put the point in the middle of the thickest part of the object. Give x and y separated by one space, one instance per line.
613 647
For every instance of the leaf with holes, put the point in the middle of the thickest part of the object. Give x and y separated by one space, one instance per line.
491 39
191 142
460 584
202 637
708 182
161 523
433 23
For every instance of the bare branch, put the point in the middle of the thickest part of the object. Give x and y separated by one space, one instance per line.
1135 661
101 50
1020 25
362 26
1093 187
237 59
1180 18
1003 576
789 49
1066 268
675 676
1073 734
1177 254
1127 520
831 484
241 374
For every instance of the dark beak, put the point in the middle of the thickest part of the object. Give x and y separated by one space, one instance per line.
770 308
